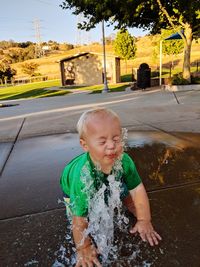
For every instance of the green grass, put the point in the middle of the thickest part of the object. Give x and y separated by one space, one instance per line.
31 90
37 90
112 88
127 77
98 88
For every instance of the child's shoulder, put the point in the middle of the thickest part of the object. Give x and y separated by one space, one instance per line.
126 158
78 161
73 168
127 161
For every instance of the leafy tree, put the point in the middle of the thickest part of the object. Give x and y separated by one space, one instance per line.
152 15
8 44
53 44
65 46
14 55
29 68
124 45
29 52
25 44
6 72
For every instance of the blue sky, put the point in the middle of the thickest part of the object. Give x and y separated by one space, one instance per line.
17 23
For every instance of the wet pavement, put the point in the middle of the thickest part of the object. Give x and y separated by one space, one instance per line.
32 221
37 139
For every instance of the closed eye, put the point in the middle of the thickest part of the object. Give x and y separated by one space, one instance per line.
102 143
116 139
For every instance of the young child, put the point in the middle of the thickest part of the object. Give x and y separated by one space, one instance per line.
100 135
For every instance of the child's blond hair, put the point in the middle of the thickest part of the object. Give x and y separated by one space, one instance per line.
82 122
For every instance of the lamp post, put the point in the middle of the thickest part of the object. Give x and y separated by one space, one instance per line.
160 78
105 89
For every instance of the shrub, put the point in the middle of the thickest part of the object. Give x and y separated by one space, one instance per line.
195 80
178 79
29 68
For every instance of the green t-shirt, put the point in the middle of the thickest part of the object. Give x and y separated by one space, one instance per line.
81 179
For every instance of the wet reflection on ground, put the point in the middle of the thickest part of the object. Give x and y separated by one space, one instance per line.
163 166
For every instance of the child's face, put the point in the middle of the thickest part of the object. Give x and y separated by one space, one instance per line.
102 139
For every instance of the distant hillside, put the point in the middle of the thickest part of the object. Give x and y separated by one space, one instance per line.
49 65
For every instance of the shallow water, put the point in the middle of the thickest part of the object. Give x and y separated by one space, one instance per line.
166 163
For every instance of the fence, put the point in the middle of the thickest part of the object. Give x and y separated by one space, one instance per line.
129 73
26 80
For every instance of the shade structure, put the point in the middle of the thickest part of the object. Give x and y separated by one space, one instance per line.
174 36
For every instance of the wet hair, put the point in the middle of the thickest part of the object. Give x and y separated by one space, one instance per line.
82 122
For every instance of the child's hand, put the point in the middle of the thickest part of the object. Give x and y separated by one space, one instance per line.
146 231
87 257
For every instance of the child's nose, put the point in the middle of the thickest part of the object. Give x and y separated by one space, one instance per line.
111 144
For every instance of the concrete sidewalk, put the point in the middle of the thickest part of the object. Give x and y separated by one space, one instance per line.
38 137
138 110
169 111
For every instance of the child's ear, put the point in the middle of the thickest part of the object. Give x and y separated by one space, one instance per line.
83 144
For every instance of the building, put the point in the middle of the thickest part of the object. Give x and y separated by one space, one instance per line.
87 69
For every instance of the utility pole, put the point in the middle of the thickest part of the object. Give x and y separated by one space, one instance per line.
105 89
38 47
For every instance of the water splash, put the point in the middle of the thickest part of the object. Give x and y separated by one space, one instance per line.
104 211
101 217
66 256
32 263
124 138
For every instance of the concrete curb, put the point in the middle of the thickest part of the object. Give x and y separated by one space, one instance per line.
175 88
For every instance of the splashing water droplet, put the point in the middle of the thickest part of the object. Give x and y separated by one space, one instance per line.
124 138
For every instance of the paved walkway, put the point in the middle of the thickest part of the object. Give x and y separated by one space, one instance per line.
38 137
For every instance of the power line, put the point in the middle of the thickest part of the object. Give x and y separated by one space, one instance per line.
44 2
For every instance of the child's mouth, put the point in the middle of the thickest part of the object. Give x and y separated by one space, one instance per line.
112 156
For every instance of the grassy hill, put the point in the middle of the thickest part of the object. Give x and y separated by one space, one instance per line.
49 65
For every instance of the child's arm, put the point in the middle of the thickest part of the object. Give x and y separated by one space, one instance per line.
86 251
138 204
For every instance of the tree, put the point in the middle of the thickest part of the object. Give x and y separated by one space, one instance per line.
172 47
29 52
65 46
124 45
152 15
15 55
29 68
6 72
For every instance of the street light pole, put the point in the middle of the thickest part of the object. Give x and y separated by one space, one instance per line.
160 76
105 89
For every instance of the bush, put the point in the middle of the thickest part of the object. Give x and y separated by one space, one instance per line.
195 80
6 72
29 68
178 79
